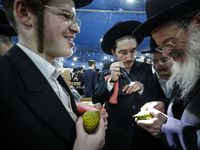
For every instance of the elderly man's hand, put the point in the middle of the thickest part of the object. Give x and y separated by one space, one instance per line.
159 105
154 125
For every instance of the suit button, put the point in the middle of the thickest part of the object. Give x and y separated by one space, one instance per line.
134 107
132 125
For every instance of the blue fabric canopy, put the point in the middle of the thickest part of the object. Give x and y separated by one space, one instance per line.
96 19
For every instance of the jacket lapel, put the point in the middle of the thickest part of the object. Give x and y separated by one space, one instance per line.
64 85
156 81
40 97
135 72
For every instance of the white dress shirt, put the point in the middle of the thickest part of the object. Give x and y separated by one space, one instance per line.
165 85
51 73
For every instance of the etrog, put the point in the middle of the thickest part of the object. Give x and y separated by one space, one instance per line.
91 120
143 115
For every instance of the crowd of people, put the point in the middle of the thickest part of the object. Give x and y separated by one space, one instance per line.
38 110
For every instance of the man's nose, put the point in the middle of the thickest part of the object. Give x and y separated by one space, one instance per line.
75 28
129 56
166 52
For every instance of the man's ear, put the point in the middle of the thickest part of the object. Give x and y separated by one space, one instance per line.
112 51
196 20
22 12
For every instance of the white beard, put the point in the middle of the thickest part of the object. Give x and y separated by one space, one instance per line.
187 73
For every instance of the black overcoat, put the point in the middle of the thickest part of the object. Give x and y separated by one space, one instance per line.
123 133
32 117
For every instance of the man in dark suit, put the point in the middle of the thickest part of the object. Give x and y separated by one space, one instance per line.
89 79
174 25
147 60
125 100
162 66
37 109
6 32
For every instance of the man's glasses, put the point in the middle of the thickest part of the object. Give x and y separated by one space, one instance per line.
162 61
169 44
70 17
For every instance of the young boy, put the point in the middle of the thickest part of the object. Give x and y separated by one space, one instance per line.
37 109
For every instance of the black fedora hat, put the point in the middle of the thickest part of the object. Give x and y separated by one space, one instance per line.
5 27
78 3
82 3
153 47
119 30
161 11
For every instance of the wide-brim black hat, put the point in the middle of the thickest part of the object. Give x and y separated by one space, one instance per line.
78 3
82 3
5 27
161 11
153 47
119 30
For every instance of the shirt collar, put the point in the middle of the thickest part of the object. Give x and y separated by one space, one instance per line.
161 79
47 69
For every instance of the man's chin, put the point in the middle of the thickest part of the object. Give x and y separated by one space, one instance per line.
128 65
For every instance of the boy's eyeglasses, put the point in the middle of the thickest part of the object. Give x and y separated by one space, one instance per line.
70 17
162 61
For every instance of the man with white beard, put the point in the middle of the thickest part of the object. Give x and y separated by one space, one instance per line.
175 26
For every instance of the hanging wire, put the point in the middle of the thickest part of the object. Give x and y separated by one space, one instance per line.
141 5
120 2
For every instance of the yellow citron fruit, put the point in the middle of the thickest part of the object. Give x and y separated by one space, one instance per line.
91 120
143 115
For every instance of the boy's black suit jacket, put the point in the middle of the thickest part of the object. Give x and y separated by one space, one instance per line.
32 117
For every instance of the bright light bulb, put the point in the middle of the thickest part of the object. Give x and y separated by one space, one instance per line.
130 1
105 57
100 64
111 59
75 59
72 64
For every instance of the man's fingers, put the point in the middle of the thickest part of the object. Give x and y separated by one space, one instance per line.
79 127
98 105
101 128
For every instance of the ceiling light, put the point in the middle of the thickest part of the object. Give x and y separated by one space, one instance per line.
72 64
130 1
105 57
111 59
75 59
142 57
